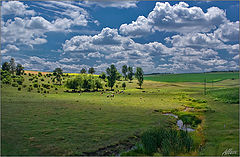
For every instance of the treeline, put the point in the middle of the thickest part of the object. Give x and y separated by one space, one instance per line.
88 83
12 72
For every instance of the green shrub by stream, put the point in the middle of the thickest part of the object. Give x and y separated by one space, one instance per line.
163 141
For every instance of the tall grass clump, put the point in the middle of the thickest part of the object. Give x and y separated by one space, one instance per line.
227 95
166 141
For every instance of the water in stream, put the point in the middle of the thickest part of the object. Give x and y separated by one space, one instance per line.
180 124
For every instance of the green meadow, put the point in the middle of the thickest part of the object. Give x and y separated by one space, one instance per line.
49 121
193 77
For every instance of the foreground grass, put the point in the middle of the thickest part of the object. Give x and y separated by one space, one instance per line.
69 124
61 123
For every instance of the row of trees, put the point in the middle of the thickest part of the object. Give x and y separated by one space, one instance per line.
84 82
90 70
112 75
127 72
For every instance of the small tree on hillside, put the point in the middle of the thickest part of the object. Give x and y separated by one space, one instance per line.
58 72
112 75
12 65
83 71
91 70
19 69
124 71
139 76
130 73
6 66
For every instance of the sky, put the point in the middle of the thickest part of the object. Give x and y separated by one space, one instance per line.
159 36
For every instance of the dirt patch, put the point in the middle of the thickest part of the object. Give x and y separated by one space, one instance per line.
115 149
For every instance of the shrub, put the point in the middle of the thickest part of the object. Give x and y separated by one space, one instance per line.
35 85
29 89
29 74
25 74
38 91
19 80
19 88
39 74
56 88
24 86
42 79
6 80
14 84
30 79
45 91
124 85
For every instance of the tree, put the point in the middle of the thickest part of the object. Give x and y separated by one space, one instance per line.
112 75
119 76
102 75
72 84
86 84
124 85
91 70
98 84
19 69
83 71
124 71
139 76
6 66
12 65
130 73
58 72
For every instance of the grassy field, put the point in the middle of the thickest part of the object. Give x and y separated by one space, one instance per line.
60 123
193 77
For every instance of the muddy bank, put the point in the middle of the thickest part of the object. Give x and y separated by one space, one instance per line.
115 149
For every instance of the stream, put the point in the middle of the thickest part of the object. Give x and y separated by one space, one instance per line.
180 124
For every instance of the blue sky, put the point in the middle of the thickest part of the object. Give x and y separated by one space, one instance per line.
159 36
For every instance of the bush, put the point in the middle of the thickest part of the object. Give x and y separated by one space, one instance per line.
39 74
45 91
25 74
56 88
19 80
35 85
30 79
29 74
47 86
24 86
29 89
19 88
124 85
42 79
6 80
14 84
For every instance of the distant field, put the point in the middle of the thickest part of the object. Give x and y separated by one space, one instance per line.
193 77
